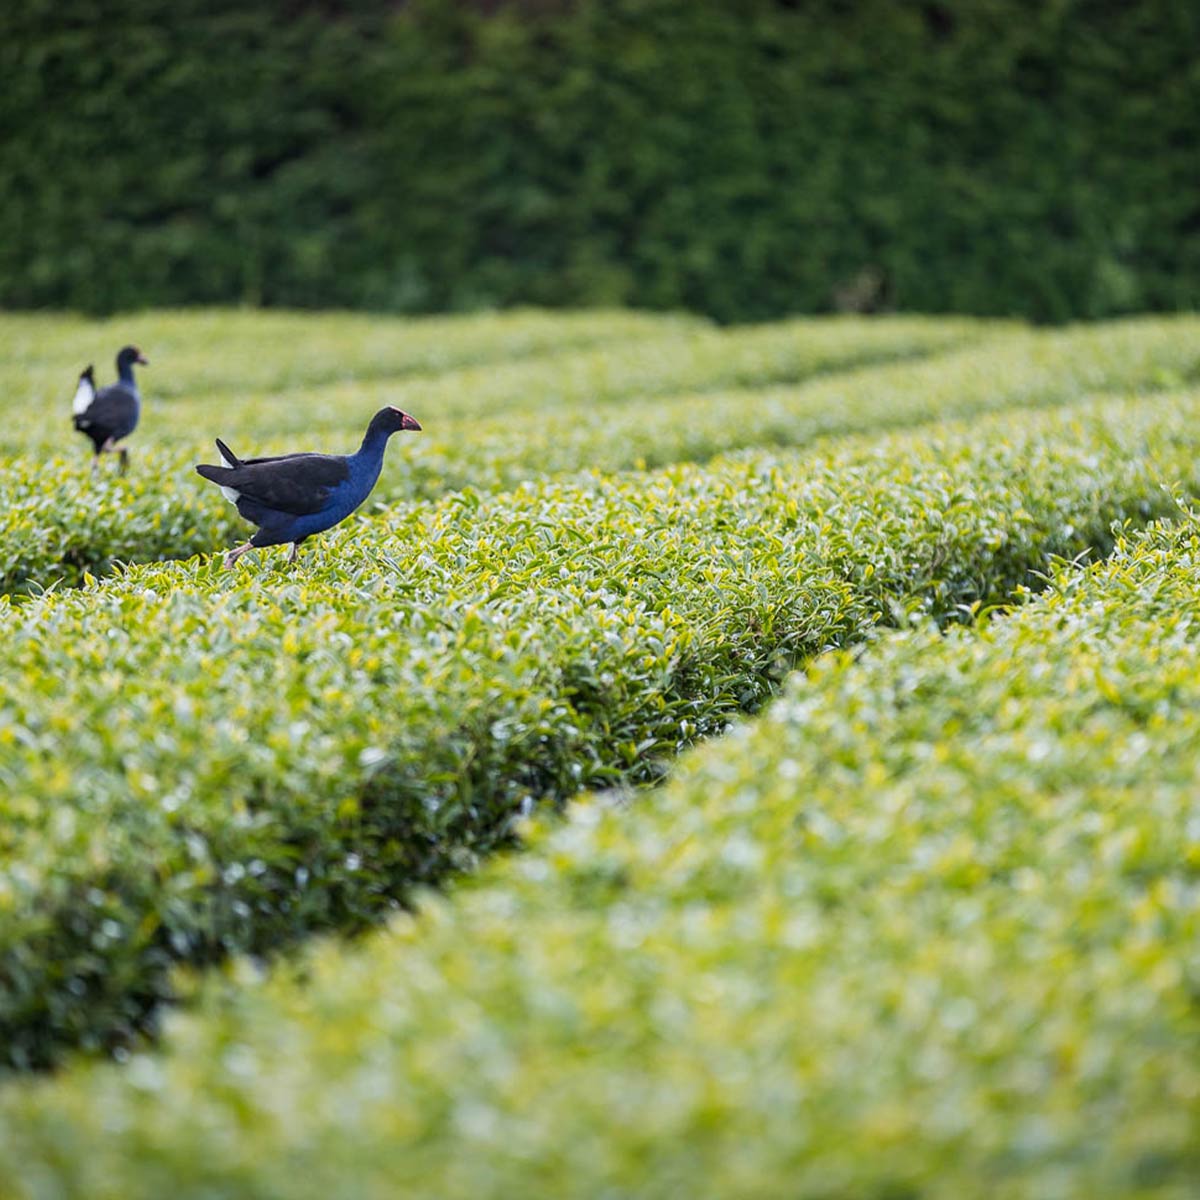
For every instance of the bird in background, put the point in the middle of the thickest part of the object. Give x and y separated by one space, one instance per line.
110 414
292 496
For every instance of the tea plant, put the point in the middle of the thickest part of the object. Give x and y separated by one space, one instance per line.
197 762
501 426
928 927
224 352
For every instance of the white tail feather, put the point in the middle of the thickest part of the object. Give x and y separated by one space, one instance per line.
84 395
229 493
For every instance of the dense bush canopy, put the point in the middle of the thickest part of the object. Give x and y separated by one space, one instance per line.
196 763
740 159
927 929
614 393
502 398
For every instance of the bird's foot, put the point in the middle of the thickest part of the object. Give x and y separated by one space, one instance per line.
236 553
295 551
124 461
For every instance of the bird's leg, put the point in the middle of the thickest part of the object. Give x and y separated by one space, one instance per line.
295 551
236 553
96 463
124 454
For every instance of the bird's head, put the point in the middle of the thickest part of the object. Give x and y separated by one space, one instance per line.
393 420
130 355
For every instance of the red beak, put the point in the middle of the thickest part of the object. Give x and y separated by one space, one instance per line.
408 422
141 358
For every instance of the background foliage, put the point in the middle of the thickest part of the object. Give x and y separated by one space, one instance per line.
737 159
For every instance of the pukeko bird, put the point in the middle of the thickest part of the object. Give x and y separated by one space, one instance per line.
110 414
292 496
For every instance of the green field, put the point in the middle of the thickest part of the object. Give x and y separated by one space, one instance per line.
926 926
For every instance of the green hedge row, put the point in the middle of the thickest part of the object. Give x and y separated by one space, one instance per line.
194 762
926 929
1002 371
741 159
218 357
292 374
493 423
504 424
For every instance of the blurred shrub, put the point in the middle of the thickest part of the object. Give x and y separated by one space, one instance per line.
739 159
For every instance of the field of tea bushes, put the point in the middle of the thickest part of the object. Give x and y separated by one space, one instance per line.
495 426
925 922
929 927
489 424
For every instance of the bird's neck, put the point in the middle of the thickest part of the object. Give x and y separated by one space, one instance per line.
374 443
125 373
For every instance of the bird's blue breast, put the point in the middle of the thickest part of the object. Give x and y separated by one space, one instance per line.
131 421
342 501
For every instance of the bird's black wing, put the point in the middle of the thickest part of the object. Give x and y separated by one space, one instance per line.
276 458
114 412
299 484
232 459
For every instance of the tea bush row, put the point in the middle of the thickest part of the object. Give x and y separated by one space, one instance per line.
197 762
1005 370
209 352
57 522
534 418
293 375
927 928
